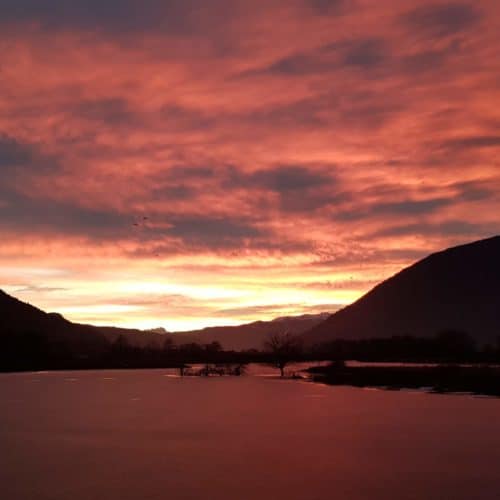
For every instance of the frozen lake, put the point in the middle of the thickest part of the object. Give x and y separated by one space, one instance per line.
147 435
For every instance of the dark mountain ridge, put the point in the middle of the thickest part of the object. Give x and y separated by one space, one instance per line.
251 335
19 318
454 289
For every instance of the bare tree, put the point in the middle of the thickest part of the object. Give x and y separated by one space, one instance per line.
284 348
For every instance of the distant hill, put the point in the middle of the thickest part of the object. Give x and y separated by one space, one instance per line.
250 335
19 318
458 288
236 338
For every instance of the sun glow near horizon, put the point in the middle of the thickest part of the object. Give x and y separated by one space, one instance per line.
190 302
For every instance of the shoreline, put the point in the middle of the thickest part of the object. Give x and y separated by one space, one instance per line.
441 379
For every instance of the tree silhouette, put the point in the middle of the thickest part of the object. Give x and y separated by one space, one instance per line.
168 344
283 348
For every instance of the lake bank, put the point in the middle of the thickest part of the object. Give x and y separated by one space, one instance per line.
481 380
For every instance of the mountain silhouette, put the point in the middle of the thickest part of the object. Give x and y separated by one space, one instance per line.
251 335
455 289
19 318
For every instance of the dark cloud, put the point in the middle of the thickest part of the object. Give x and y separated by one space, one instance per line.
299 188
323 7
472 142
286 178
296 64
365 53
396 208
213 232
440 20
411 207
424 61
429 60
189 172
183 182
303 114
113 111
30 215
361 53
281 179
309 201
442 229
372 57
183 118
173 192
27 215
19 159
14 153
465 192
108 15
368 110
476 191
22 164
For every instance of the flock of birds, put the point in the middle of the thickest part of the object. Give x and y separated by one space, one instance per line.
142 223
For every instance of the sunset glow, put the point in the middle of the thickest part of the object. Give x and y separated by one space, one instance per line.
190 163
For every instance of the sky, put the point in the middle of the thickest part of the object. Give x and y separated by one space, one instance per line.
184 163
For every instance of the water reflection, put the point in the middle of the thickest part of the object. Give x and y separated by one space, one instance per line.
151 436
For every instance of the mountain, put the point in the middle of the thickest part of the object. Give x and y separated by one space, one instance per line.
160 330
19 318
250 335
458 288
